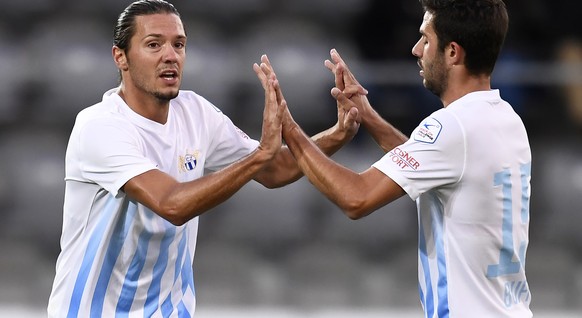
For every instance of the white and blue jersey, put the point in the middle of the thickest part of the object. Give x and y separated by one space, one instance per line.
468 168
118 258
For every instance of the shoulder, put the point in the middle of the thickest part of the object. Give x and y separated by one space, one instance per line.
102 114
441 124
191 107
109 108
190 100
104 121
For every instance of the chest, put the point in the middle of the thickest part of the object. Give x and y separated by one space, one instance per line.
180 149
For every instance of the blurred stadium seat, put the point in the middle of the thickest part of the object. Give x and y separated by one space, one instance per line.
269 220
312 273
297 49
33 162
13 67
70 61
210 68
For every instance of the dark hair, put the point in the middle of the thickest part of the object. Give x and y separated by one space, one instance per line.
479 26
125 27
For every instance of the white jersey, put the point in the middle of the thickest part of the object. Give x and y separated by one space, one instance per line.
468 168
118 257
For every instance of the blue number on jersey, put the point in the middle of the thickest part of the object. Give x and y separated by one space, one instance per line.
506 265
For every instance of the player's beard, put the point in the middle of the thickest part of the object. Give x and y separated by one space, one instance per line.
165 97
161 96
436 75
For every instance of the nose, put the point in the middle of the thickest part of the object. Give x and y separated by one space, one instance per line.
169 53
416 51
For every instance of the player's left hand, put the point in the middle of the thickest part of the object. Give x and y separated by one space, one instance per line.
348 119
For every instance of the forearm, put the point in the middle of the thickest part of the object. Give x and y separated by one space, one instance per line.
330 178
385 135
179 202
283 169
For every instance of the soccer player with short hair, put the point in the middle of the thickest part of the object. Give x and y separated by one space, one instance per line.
135 179
467 165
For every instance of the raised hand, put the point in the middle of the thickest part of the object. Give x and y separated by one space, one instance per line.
275 106
346 85
344 78
352 99
268 71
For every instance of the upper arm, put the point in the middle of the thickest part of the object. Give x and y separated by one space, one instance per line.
433 157
152 188
108 153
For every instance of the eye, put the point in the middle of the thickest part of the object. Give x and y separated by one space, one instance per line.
153 45
179 45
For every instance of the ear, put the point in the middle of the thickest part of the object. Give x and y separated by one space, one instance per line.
455 54
119 58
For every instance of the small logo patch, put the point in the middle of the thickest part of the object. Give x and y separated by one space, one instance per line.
189 161
428 131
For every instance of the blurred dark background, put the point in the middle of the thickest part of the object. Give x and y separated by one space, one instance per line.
290 247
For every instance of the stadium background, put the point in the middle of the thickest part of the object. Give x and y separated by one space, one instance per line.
286 252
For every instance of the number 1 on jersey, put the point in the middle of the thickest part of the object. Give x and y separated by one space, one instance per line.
506 264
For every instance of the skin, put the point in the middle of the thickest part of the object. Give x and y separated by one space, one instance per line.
151 72
444 73
359 194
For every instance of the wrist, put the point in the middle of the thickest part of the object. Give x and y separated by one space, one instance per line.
262 155
340 134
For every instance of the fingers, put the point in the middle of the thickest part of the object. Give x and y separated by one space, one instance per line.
273 94
355 89
352 114
264 70
351 121
336 69
342 74
268 71
335 56
271 137
343 100
261 75
330 65
335 92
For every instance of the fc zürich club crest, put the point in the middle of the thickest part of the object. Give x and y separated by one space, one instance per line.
189 161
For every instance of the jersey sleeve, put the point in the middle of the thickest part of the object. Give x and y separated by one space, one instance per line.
229 144
110 153
434 156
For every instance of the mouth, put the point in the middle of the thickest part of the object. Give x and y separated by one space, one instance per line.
421 72
169 75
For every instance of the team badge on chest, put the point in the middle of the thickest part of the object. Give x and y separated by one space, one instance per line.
188 162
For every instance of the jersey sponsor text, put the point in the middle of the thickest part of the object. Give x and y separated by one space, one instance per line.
403 159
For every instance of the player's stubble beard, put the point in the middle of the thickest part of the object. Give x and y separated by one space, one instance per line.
436 75
142 84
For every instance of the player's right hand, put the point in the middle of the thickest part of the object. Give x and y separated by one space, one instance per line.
271 137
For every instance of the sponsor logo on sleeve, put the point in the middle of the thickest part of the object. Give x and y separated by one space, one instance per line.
403 159
428 131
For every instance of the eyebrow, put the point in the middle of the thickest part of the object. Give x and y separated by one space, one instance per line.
158 35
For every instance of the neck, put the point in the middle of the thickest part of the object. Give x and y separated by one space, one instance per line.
146 105
463 86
